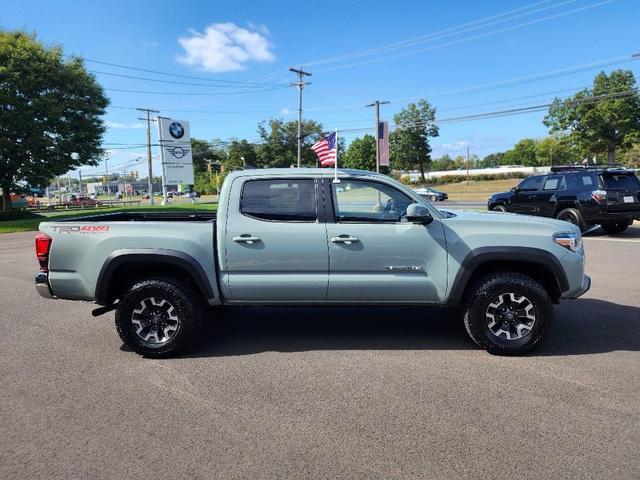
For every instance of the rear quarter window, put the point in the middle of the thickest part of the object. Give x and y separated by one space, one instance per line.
620 180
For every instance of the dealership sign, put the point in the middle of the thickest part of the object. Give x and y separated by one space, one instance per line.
175 151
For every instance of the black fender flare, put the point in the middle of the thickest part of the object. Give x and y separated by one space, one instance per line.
480 256
159 256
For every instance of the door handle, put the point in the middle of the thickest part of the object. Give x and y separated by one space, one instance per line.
346 239
246 238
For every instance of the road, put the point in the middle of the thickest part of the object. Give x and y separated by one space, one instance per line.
322 393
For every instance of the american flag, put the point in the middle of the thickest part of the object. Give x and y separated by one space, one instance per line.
326 148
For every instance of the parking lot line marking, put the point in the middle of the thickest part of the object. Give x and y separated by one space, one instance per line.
627 240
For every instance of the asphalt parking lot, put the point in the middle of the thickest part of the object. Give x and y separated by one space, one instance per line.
322 393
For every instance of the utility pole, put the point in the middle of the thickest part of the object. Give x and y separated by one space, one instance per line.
59 192
106 169
80 181
467 165
300 84
377 104
148 119
209 167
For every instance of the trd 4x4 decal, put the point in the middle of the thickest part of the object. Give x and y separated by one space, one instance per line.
81 229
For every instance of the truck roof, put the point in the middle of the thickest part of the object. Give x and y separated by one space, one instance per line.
311 172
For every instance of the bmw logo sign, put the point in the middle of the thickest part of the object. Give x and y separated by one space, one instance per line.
176 130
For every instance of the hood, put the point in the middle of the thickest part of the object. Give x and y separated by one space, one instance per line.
504 220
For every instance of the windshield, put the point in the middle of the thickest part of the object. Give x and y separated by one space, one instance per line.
620 180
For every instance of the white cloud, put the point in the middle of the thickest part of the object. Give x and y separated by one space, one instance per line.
225 47
285 111
261 28
125 125
459 145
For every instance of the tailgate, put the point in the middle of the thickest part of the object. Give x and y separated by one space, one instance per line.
623 190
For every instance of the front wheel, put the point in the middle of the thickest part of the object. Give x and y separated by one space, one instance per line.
158 317
499 208
508 313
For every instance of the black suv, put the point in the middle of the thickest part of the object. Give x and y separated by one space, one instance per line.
580 194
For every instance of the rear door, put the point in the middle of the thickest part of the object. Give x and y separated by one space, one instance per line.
276 245
546 199
375 256
524 199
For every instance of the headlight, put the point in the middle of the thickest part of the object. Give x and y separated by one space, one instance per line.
569 240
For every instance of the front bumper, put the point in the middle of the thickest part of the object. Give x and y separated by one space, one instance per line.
42 285
578 292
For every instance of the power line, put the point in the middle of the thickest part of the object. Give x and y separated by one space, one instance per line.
467 39
177 75
528 79
468 89
157 80
193 93
508 112
480 23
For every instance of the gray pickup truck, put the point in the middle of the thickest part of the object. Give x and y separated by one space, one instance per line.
299 237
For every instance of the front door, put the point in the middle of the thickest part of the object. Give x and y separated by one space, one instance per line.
524 199
276 246
375 255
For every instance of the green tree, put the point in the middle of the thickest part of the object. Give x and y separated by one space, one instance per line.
492 160
360 154
280 143
524 153
410 142
443 163
237 150
601 119
50 113
631 157
203 152
557 151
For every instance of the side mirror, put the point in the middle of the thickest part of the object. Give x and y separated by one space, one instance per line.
514 189
417 213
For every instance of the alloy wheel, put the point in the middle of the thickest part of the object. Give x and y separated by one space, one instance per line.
155 321
511 316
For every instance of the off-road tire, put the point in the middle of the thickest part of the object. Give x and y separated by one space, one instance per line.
186 307
485 291
573 216
499 208
615 228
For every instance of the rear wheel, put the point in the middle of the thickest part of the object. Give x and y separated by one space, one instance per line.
508 313
613 228
499 208
158 317
573 216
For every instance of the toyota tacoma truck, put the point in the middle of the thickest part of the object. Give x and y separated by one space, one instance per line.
305 237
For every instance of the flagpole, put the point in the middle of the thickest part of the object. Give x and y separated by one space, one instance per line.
335 164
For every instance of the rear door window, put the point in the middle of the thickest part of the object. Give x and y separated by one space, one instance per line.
280 200
626 181
556 182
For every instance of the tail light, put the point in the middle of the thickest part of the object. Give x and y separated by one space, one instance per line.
599 196
43 246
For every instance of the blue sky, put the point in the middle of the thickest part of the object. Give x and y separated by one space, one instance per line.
461 67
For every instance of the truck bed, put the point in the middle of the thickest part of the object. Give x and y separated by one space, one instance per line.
145 217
